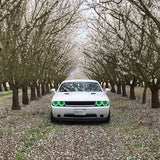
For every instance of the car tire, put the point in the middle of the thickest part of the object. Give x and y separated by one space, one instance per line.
52 118
107 120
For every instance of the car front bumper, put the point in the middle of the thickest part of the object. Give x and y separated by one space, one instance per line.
80 113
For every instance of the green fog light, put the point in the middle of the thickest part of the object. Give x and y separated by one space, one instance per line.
102 103
62 103
58 103
99 103
106 103
55 103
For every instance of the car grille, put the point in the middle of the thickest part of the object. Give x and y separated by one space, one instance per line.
87 115
80 103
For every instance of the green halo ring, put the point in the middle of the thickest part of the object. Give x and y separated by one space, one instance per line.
61 103
55 103
99 103
106 103
102 103
58 103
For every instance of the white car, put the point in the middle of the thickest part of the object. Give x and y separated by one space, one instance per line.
80 100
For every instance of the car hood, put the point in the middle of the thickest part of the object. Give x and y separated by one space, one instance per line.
80 96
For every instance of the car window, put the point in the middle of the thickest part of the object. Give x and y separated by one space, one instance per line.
80 87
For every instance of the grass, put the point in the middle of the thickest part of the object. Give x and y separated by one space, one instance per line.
136 131
27 142
156 141
19 157
1 133
24 150
33 135
35 131
37 138
5 94
157 156
46 115
130 156
8 98
11 122
127 128
137 144
118 120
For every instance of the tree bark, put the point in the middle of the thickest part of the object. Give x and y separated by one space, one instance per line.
132 92
144 95
25 99
155 97
113 90
5 86
56 86
107 85
15 98
38 91
43 89
119 89
0 88
102 84
10 87
124 93
33 92
51 86
47 88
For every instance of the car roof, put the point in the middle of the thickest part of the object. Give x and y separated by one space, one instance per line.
80 80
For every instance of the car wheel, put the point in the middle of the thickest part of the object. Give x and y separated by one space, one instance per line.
107 120
52 118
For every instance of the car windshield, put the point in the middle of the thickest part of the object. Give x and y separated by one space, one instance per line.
80 87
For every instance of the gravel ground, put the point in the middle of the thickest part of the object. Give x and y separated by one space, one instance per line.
133 133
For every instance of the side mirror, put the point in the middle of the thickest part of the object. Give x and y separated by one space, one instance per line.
53 90
107 90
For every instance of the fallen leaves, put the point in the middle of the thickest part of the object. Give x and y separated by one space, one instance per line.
133 133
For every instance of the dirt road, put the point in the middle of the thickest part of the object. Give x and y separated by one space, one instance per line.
133 133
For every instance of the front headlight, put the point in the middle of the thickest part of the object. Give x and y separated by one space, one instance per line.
102 103
58 103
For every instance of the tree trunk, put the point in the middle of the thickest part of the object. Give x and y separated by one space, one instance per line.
104 86
56 86
47 88
43 89
144 95
0 88
155 98
51 86
25 99
124 93
15 98
107 85
101 83
38 91
118 88
33 92
132 92
113 90
5 86
10 87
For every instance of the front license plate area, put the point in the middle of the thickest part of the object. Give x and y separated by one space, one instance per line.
79 112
